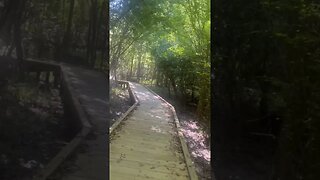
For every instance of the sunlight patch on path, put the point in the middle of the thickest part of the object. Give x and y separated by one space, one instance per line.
157 129
197 138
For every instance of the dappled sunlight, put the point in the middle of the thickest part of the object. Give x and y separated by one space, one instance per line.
192 125
155 116
204 153
197 140
165 116
144 96
157 129
158 117
163 68
196 136
165 105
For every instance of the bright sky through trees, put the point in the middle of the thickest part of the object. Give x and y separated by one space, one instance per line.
165 43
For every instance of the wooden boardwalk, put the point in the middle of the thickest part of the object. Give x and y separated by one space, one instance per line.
146 145
90 160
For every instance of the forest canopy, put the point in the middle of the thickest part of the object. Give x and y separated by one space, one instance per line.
166 43
266 67
62 30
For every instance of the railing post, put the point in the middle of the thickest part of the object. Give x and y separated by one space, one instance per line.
55 79
38 76
48 77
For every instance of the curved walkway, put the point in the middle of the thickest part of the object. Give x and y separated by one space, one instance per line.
146 145
90 87
90 158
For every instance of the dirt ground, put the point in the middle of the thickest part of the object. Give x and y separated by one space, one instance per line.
119 103
32 128
196 133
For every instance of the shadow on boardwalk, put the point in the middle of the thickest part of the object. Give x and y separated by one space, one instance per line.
145 146
89 161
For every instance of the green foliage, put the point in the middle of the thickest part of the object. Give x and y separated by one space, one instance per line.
164 42
267 63
60 30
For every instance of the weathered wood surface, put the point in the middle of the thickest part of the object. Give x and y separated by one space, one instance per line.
146 146
90 87
85 94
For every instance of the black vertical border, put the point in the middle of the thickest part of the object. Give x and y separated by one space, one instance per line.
213 21
107 58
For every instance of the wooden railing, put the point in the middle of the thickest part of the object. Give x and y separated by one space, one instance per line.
133 100
125 85
51 70
122 84
76 116
54 74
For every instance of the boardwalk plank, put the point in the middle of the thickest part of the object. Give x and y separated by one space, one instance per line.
90 88
145 145
150 162
135 173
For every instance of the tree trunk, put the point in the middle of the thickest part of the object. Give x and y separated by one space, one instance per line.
115 74
88 54
158 77
139 64
131 67
105 34
173 83
168 86
92 34
17 35
67 36
10 49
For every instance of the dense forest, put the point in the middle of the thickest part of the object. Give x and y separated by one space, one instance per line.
165 46
64 31
34 122
166 43
266 86
264 59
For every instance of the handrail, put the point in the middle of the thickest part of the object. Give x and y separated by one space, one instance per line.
78 112
135 102
32 65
